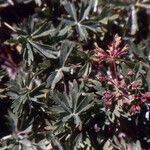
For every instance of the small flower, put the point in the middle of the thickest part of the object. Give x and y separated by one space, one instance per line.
131 73
135 85
100 55
138 108
146 95
102 78
108 97
114 52
135 109
119 94
136 96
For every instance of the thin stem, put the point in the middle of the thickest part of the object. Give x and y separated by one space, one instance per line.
115 69
9 26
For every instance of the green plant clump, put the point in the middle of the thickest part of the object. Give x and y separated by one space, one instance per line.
82 81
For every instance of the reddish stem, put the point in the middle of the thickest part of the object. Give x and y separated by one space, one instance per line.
115 69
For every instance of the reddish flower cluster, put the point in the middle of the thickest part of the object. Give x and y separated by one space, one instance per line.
125 95
119 88
135 85
108 97
114 52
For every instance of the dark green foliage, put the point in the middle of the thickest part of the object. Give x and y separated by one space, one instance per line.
84 77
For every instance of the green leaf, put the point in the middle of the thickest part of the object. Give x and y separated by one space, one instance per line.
54 141
77 141
138 145
51 78
82 31
148 79
73 104
44 50
66 49
69 23
138 50
134 21
42 31
109 18
86 13
74 95
59 75
85 70
65 30
57 97
85 104
77 121
146 6
28 54
81 25
70 8
107 145
13 120
18 104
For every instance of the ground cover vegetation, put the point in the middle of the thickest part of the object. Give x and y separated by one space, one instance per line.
75 74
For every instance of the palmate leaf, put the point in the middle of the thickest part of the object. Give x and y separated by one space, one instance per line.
22 90
29 29
80 23
62 100
43 49
31 35
63 35
18 93
72 104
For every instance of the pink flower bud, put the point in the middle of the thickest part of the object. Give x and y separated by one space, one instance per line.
136 96
138 108
135 84
131 73
108 95
146 95
135 109
102 78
